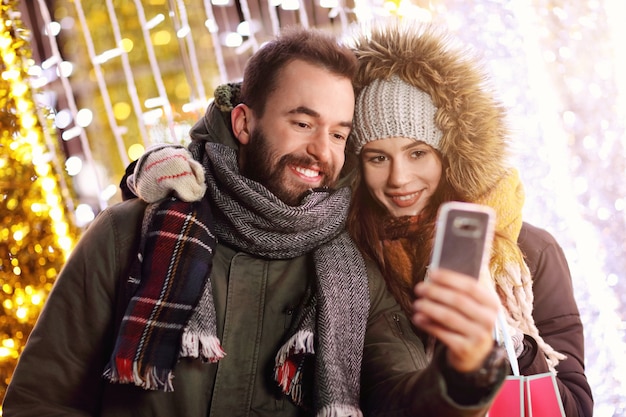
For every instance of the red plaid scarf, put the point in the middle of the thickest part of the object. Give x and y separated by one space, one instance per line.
150 333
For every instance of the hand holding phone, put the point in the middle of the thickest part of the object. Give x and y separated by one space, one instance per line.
463 237
463 323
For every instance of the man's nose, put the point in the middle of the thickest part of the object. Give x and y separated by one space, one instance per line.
319 147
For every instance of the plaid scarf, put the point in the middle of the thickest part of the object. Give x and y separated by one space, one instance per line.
331 326
175 257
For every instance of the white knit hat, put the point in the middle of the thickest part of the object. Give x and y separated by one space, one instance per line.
391 108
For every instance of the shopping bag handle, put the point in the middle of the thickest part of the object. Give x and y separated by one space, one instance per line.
503 337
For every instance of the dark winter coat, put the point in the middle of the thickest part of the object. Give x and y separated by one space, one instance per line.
558 320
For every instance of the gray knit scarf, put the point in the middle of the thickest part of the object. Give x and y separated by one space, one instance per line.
332 324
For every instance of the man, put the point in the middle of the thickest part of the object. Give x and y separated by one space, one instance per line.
258 278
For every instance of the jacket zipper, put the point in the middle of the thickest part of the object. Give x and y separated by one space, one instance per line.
396 319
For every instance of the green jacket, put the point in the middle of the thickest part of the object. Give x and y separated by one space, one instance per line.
60 370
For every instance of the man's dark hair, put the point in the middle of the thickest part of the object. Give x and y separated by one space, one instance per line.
313 46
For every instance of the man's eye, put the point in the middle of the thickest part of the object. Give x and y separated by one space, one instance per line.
339 136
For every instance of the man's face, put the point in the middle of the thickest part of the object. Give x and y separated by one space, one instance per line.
299 142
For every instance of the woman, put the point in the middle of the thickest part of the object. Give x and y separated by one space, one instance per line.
428 130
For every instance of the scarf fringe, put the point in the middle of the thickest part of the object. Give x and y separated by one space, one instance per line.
288 369
126 371
206 346
299 343
340 410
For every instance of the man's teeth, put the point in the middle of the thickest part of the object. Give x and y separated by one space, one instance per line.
307 172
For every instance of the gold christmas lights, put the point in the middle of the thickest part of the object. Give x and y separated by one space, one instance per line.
35 235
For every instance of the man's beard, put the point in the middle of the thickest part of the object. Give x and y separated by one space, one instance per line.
261 166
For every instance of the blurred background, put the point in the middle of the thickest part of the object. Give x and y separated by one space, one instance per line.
85 86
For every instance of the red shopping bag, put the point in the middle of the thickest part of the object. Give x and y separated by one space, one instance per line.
510 399
524 395
542 396
528 396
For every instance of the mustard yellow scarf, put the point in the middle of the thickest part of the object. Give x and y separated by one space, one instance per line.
507 267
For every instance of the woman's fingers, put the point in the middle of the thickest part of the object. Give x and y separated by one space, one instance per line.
460 312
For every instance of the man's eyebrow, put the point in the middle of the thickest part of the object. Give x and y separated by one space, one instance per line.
305 110
310 112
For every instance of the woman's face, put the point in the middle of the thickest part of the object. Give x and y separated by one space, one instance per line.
401 174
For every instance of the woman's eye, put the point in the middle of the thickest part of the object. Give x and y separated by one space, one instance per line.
377 159
418 154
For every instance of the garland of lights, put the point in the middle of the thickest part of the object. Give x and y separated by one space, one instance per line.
35 237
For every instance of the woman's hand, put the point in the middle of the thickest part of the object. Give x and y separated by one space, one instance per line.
461 313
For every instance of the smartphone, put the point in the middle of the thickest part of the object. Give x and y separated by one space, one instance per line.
463 237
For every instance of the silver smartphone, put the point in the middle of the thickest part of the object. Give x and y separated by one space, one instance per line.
463 237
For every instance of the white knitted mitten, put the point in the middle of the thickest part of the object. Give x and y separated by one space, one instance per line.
518 340
508 334
165 170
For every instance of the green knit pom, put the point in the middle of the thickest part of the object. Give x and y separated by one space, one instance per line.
227 96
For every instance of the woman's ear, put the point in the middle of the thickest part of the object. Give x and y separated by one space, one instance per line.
240 118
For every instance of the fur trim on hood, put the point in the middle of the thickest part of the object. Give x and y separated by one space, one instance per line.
475 134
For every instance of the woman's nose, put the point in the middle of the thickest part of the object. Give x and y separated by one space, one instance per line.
398 174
